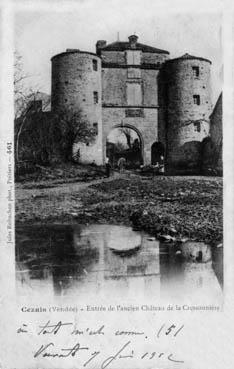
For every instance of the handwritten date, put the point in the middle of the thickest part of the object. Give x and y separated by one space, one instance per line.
125 352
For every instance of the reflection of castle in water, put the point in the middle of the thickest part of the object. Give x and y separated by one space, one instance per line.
82 260
106 239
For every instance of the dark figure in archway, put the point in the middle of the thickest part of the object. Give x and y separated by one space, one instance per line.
108 167
157 153
157 157
121 164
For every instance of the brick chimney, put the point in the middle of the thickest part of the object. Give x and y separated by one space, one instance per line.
133 41
100 45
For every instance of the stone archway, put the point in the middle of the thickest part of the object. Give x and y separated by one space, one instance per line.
125 141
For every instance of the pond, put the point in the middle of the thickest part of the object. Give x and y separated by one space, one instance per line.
113 261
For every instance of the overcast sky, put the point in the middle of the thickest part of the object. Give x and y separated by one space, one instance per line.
41 34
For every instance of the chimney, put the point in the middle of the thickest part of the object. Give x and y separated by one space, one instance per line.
100 45
133 41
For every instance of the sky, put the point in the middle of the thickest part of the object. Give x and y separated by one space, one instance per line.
43 33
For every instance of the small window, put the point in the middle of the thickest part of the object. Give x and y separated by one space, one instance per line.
95 128
95 97
196 72
95 65
196 99
197 126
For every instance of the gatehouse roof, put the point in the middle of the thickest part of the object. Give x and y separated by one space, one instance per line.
124 45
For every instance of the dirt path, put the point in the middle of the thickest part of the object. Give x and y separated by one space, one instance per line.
66 188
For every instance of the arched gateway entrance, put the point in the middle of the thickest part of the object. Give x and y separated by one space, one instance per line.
125 141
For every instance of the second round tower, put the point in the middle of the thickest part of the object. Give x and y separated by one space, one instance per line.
188 110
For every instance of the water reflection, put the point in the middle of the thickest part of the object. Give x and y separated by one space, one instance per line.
112 260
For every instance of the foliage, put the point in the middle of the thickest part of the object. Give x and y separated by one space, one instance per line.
71 128
25 99
36 143
46 137
40 136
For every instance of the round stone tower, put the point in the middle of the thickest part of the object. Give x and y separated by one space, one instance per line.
188 105
76 86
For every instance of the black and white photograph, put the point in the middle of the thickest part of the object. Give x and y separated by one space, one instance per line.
117 184
118 155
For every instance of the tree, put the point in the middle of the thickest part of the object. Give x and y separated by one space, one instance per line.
128 134
24 103
41 136
71 127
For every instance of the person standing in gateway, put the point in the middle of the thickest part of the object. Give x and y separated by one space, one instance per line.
108 167
121 164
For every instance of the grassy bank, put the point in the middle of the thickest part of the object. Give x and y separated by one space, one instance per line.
172 206
59 173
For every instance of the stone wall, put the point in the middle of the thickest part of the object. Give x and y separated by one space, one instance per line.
150 87
117 57
216 123
114 86
146 126
213 146
154 58
114 82
187 120
118 112
74 81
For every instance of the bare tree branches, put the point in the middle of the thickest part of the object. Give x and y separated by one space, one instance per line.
72 128
39 135
128 134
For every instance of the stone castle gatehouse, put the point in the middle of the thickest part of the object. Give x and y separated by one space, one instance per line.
128 84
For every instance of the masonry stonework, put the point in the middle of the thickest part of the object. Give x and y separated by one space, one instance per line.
188 107
129 84
76 77
145 127
213 145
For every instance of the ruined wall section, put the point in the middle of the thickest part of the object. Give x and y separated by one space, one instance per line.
76 86
188 109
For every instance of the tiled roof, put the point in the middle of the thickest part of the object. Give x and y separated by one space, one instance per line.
121 46
188 57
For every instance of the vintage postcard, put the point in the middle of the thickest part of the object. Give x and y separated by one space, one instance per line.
117 184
